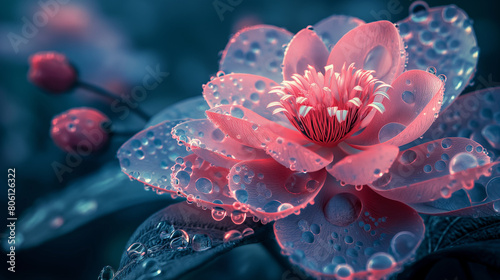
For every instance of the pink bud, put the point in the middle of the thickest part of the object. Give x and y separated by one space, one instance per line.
52 72
80 130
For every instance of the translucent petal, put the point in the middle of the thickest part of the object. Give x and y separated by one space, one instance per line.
256 50
210 143
414 103
482 200
332 28
249 91
366 166
204 184
372 46
83 201
474 115
441 37
149 155
283 144
192 108
272 191
345 230
176 240
433 170
305 49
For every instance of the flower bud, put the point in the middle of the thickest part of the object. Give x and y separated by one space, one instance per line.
80 130
52 72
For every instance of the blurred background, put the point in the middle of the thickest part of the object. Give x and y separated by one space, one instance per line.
112 43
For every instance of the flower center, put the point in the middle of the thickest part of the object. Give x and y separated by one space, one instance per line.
329 107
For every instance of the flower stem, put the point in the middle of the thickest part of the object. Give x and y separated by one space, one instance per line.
103 92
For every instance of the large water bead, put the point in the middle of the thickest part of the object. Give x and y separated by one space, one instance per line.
342 209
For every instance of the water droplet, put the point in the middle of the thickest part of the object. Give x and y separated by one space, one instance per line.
419 11
204 185
403 244
232 235
201 242
344 271
389 131
284 206
408 97
247 232
315 228
260 85
307 237
491 133
180 240
218 214
183 178
136 250
431 70
462 161
241 195
408 157
342 209
238 217
446 143
380 261
378 59
496 206
237 112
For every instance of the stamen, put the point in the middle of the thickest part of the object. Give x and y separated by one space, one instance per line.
329 107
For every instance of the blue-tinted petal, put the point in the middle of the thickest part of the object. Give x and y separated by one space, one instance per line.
349 232
332 28
149 155
211 144
256 50
172 242
482 200
474 115
83 201
206 185
192 108
441 37
433 170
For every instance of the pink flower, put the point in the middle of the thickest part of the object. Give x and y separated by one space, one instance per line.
317 148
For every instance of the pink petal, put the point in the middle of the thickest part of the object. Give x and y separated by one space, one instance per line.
148 156
256 50
348 230
414 102
433 170
481 201
249 91
372 46
442 37
283 144
206 185
305 49
332 28
474 115
272 191
366 166
211 144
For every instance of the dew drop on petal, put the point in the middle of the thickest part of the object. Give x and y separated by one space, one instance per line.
204 185
380 261
342 209
136 250
201 242
232 235
403 243
462 161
